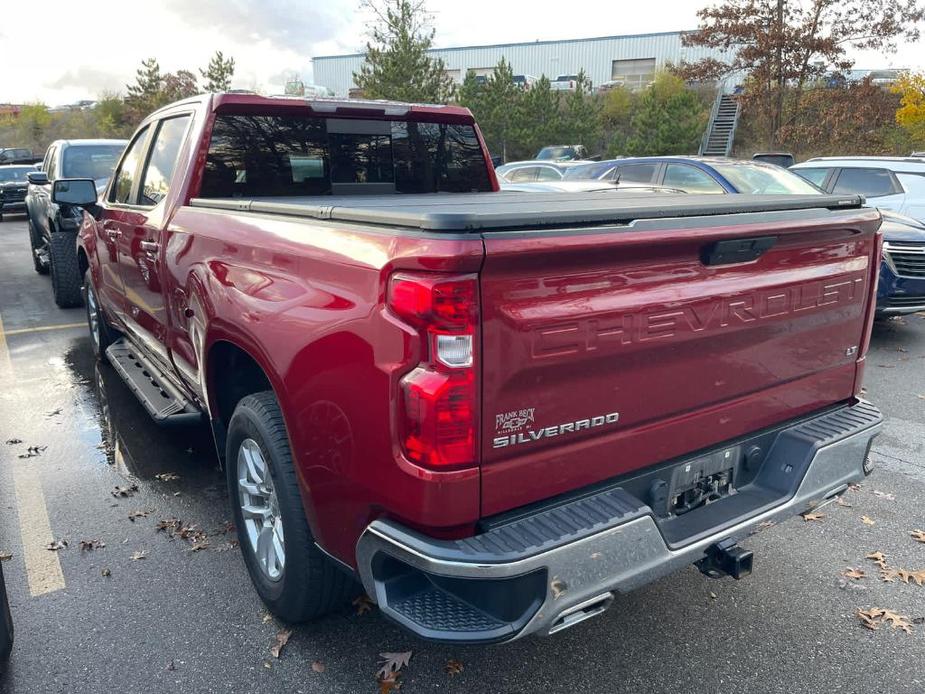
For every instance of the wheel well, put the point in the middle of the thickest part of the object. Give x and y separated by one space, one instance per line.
225 359
83 264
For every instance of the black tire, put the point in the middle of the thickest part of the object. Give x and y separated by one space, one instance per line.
310 584
65 271
102 335
34 244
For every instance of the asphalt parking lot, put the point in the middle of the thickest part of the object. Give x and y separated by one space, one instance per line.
149 612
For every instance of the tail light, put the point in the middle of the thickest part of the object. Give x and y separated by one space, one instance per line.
438 410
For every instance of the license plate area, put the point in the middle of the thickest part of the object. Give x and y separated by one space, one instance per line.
702 481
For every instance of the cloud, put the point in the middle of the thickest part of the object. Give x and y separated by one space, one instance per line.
91 79
291 24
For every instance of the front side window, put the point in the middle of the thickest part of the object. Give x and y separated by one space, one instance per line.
162 161
871 183
525 174
691 179
814 176
51 159
128 170
292 155
637 173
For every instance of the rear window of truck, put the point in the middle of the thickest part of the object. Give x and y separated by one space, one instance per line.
292 155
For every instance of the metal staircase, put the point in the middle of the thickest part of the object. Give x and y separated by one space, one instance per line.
721 128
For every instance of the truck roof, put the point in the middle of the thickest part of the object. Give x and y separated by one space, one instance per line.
460 212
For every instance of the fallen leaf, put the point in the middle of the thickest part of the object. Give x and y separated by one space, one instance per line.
141 554
282 638
268 665
171 666
764 525
167 477
854 487
712 595
317 666
118 491
6 556
855 574
55 545
55 412
199 546
137 514
920 396
393 663
918 535
453 667
877 557
106 572
888 575
267 618
813 516
362 604
389 684
867 520
885 495
558 587
897 621
32 452
89 545
840 501
870 618
13 442
226 546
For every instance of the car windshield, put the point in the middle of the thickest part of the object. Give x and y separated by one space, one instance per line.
756 179
90 161
555 153
8 174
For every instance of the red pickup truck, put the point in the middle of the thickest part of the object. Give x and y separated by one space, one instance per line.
497 410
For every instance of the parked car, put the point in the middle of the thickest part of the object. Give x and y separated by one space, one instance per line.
901 288
53 225
524 81
705 175
17 155
6 625
784 159
471 402
562 153
530 171
13 184
565 83
890 183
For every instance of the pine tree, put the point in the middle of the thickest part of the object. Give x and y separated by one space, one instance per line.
582 116
218 73
148 82
397 64
669 119
540 118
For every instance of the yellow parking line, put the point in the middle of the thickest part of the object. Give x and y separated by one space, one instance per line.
43 568
43 328
6 366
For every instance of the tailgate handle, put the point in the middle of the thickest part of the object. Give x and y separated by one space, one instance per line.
736 250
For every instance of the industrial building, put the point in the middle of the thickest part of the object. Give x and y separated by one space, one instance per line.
629 60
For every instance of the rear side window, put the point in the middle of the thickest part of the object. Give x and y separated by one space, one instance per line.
690 179
526 174
128 170
547 173
871 183
268 156
815 176
637 173
162 161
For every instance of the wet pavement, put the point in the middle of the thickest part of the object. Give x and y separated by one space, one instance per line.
179 619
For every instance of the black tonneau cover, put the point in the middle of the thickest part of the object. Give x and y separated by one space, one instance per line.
455 212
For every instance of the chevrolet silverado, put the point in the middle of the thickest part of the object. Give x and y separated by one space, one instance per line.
496 410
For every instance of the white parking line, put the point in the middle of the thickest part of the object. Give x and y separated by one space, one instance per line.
43 568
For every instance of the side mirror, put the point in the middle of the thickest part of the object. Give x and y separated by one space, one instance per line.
37 178
80 192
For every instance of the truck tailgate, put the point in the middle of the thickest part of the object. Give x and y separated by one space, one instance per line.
607 350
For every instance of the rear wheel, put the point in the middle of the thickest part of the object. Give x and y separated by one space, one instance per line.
101 335
65 272
295 580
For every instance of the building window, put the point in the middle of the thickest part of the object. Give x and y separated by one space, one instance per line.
633 74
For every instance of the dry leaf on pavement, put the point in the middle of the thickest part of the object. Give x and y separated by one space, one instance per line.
88 545
855 574
885 495
140 554
105 572
840 501
814 516
867 520
393 663
874 617
389 684
878 558
317 666
6 556
362 604
55 545
118 491
167 477
453 667
282 638
137 514
918 535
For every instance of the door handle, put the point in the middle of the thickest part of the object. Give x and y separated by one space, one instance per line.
150 246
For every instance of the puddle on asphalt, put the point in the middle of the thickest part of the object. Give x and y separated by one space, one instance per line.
110 418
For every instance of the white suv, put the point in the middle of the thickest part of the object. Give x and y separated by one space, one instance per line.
893 183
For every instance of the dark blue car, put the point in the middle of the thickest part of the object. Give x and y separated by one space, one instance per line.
698 175
902 272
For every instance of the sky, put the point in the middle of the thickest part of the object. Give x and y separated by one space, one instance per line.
87 48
